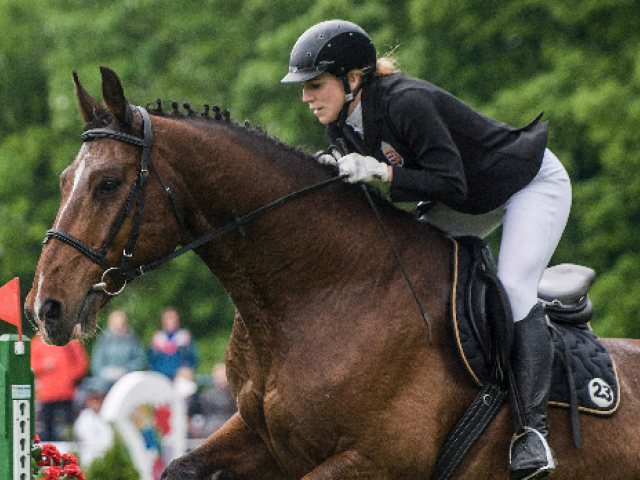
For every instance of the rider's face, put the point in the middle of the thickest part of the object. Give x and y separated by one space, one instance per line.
325 96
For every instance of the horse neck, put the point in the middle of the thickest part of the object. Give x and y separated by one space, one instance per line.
302 253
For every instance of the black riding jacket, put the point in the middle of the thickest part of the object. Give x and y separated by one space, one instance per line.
441 149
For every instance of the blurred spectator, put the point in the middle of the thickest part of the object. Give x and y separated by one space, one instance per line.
172 347
186 388
117 350
91 432
211 409
184 383
58 371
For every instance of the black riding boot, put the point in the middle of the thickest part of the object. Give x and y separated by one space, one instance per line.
530 456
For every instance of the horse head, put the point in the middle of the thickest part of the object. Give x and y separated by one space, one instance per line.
100 221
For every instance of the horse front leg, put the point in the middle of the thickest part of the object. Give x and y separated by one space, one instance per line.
347 466
234 452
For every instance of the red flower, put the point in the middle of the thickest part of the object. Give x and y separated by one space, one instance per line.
69 459
53 473
51 453
36 438
163 419
54 465
72 471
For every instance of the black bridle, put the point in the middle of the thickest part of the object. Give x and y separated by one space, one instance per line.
136 198
122 274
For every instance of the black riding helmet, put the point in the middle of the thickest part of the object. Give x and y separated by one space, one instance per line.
336 47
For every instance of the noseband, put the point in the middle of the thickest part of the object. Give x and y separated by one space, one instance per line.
135 198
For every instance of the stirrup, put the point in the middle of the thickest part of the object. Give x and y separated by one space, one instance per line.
550 466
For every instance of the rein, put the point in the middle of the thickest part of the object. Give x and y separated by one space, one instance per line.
237 223
342 150
121 273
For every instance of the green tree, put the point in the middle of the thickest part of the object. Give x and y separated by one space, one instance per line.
577 61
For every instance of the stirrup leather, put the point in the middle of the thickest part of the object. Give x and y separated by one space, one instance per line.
551 463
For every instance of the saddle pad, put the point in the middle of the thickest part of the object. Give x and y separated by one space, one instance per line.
592 368
594 372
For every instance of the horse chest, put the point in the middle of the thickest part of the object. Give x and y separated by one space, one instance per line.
265 412
292 432
251 407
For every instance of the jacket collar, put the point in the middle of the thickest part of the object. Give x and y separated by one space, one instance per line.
372 116
372 119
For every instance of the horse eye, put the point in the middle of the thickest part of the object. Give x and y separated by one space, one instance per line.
108 186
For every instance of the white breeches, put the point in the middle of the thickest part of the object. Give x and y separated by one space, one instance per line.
532 223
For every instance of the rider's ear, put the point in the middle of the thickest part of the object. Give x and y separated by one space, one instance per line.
90 108
113 96
354 77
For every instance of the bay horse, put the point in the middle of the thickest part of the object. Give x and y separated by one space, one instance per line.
332 366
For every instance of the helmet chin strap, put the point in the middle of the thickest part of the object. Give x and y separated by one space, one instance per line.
349 97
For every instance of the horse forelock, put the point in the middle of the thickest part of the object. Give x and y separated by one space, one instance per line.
100 121
105 120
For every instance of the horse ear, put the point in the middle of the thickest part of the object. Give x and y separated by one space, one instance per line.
90 108
113 95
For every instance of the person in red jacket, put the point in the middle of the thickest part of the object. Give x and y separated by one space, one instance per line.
57 370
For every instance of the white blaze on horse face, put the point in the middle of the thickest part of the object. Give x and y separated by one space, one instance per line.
37 302
76 180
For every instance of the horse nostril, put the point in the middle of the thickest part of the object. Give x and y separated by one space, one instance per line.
31 318
50 312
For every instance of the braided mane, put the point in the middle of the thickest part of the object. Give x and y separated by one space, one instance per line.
209 117
307 169
298 163
216 115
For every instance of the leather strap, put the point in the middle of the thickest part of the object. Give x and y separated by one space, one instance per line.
469 428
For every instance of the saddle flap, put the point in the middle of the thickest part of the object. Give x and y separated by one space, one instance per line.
566 284
481 314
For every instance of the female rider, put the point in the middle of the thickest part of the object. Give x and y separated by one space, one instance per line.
475 172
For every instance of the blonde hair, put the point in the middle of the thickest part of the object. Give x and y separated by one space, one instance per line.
386 66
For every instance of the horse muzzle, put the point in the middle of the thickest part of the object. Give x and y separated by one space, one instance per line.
57 325
47 319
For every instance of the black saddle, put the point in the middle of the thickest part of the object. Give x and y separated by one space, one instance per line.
584 374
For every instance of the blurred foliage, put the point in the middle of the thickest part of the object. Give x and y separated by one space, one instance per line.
576 60
116 463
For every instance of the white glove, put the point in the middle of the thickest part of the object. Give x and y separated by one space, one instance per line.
362 169
327 158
